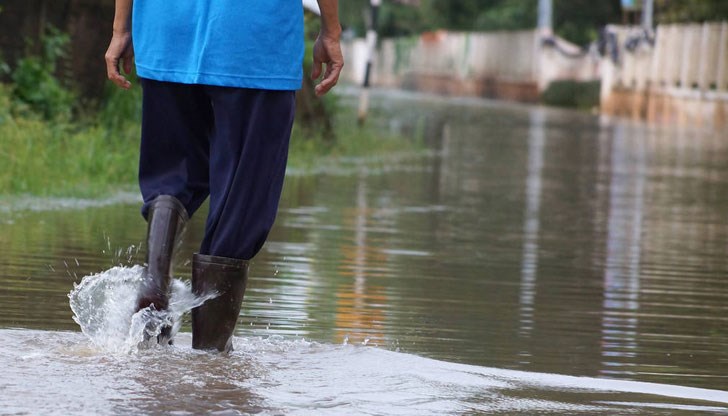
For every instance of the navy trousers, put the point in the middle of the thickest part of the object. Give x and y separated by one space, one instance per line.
230 144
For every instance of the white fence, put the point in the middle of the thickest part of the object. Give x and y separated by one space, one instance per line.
688 57
681 73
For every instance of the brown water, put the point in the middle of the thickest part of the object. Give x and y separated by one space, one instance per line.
543 241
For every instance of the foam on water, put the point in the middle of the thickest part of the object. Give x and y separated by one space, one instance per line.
103 305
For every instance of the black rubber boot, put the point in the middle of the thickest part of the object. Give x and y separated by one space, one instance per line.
214 321
166 222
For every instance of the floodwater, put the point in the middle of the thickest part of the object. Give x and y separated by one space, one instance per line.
527 261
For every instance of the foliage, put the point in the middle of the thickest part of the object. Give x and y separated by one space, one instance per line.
312 150
576 20
35 81
463 14
4 67
572 94
47 148
47 158
400 20
395 19
579 21
88 159
516 15
314 113
680 11
351 14
60 158
120 107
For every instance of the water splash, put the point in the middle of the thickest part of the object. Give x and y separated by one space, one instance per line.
103 306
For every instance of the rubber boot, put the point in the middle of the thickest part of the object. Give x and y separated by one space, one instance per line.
166 221
214 321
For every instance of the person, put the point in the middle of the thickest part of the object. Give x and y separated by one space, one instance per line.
218 80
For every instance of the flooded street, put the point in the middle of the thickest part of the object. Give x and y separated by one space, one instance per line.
527 261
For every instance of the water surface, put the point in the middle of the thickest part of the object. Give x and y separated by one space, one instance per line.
524 247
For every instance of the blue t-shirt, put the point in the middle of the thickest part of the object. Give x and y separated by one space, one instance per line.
234 43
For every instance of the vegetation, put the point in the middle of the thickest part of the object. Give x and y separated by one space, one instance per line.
51 147
572 94
47 147
56 142
57 156
575 20
35 83
677 11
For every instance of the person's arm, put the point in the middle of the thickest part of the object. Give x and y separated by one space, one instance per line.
327 49
121 51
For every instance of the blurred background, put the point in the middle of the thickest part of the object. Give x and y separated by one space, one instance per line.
555 51
661 61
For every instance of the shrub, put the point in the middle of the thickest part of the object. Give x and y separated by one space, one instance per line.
35 82
573 94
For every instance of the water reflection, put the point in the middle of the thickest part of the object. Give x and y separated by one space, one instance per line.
358 304
624 243
531 223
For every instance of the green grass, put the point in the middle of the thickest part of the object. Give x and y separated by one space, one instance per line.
310 151
61 158
99 156
52 144
46 160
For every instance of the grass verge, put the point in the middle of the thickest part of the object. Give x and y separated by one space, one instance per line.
99 156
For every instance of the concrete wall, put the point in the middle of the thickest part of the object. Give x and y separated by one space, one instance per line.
679 75
511 65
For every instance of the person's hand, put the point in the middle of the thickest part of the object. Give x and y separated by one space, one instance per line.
120 53
327 50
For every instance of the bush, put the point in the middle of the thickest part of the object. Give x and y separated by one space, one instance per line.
57 158
572 94
48 149
35 81
120 108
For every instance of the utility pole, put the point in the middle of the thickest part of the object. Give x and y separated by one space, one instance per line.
544 34
545 17
371 49
648 10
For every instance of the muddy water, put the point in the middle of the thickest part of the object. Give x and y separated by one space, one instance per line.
522 247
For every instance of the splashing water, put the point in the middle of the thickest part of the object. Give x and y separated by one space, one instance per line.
103 306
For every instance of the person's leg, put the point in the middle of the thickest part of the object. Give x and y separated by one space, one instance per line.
174 153
249 148
213 322
173 176
248 153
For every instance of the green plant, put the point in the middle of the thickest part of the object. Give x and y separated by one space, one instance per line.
4 67
35 81
312 112
47 149
573 94
120 107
